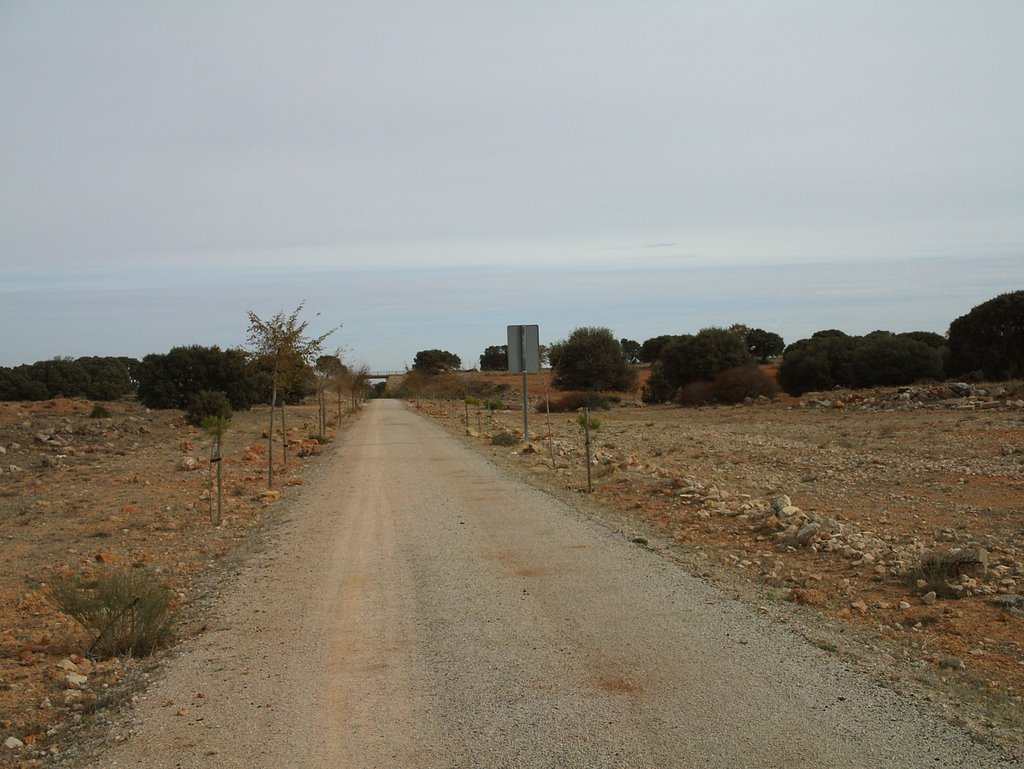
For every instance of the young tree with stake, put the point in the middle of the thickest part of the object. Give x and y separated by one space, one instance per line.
281 342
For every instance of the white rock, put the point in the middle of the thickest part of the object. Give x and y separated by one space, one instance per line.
13 743
76 680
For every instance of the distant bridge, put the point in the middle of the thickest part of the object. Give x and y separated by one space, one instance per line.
385 374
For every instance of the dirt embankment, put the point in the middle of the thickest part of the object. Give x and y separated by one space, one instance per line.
894 516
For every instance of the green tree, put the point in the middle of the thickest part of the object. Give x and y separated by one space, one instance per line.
591 359
631 349
763 344
700 357
109 378
436 361
205 404
495 358
990 339
281 344
169 380
651 348
881 359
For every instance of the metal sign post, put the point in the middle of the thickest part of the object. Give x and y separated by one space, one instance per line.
524 357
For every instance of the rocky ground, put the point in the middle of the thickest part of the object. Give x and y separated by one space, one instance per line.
80 494
887 525
894 518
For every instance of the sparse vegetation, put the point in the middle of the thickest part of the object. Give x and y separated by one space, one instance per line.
574 401
586 420
127 612
939 571
99 411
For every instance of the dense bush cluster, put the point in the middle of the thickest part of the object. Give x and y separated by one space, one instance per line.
436 361
832 358
101 379
988 342
690 358
170 380
591 359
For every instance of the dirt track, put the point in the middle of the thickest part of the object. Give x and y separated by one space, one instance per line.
420 609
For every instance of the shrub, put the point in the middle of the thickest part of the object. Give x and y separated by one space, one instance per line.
574 401
168 381
583 420
702 356
494 404
436 361
128 612
940 569
206 404
99 412
735 385
472 400
894 360
990 338
696 394
504 438
591 359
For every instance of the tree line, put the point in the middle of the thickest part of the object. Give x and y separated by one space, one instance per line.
721 364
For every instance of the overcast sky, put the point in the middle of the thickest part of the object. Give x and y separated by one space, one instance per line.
426 173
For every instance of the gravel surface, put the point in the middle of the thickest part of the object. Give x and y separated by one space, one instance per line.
422 609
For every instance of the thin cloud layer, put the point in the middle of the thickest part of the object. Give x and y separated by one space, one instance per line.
244 145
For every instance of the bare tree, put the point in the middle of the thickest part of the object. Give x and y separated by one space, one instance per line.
360 381
281 342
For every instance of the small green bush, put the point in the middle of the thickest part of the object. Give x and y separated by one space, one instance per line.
205 404
99 411
128 612
494 404
472 400
583 420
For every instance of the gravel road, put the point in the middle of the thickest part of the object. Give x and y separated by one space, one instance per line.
421 610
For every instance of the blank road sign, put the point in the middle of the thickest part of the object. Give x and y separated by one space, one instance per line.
523 349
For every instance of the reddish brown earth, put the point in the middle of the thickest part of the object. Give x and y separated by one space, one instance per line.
900 473
79 495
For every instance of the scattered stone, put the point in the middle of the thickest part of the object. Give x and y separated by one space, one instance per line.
75 680
929 598
952 663
270 495
904 605
803 536
1009 601
860 606
187 464
13 743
